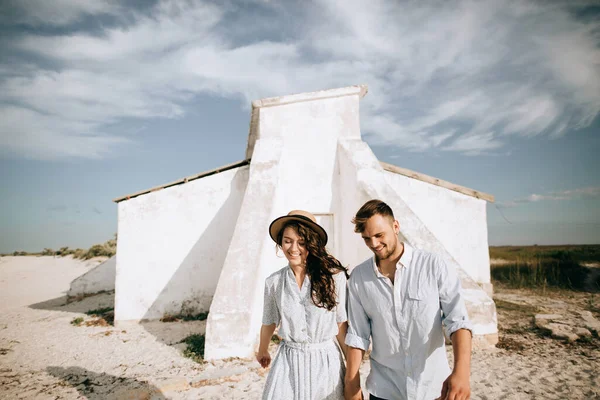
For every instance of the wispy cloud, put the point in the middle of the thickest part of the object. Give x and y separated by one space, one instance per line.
461 76
587 192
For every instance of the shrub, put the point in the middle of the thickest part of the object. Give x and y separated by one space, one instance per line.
79 253
195 347
48 252
107 249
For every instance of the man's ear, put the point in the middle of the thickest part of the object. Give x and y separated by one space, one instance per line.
396 226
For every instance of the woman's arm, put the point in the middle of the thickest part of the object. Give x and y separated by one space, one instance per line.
341 337
266 333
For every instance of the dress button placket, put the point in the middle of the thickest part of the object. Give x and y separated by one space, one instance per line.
304 322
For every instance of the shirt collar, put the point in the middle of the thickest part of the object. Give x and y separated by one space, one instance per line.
403 262
406 257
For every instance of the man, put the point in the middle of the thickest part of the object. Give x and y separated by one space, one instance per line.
400 298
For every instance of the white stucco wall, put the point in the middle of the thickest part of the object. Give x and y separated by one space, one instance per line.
293 166
457 220
101 277
357 159
349 198
172 244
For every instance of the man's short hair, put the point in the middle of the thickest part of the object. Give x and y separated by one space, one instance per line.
369 209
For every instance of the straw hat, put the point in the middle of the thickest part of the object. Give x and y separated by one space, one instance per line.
297 215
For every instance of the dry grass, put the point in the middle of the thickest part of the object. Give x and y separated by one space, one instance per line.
184 317
543 267
578 253
106 249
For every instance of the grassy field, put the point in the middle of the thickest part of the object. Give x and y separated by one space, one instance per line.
580 253
566 266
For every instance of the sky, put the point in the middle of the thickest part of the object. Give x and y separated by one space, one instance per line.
100 99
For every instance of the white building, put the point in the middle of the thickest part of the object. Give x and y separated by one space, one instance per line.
201 243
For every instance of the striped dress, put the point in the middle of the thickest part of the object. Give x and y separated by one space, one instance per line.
308 364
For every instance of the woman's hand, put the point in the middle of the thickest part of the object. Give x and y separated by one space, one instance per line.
263 358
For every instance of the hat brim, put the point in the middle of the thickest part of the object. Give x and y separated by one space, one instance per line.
280 222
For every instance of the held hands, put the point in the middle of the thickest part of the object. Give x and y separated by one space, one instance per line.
263 358
456 387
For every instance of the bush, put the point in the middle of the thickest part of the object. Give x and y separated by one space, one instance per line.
97 250
195 347
107 249
48 252
64 251
79 253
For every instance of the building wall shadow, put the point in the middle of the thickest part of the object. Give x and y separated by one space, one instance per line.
90 302
100 386
187 278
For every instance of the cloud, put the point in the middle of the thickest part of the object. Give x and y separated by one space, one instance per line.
55 12
475 143
587 192
462 76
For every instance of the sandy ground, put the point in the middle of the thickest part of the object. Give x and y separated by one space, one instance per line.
44 356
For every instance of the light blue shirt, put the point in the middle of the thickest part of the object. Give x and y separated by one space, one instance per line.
404 320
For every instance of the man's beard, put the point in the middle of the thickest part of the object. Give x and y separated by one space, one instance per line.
387 255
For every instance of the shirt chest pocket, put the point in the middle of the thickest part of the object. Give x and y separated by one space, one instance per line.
423 298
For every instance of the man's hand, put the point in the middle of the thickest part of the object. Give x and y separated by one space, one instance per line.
263 358
456 387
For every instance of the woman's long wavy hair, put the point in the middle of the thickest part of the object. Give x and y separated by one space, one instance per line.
320 265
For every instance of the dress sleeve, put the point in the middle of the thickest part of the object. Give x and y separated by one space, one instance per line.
341 289
270 310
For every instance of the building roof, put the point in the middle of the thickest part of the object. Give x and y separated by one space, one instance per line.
438 182
185 180
388 167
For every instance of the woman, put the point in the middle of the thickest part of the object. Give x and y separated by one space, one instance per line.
307 299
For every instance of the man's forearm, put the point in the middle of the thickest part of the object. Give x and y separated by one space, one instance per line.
354 358
461 347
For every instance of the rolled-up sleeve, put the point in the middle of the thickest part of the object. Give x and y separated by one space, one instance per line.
454 311
270 309
341 283
359 325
